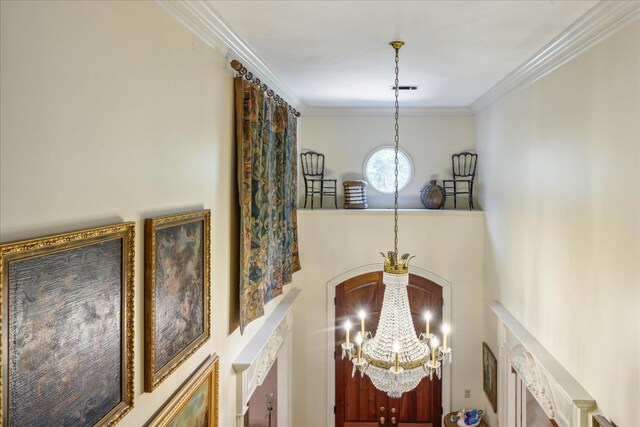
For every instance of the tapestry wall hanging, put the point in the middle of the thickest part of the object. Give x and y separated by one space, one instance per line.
67 328
267 185
177 291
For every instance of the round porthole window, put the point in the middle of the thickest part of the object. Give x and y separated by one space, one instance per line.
379 169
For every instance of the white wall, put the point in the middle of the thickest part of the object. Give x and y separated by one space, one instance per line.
561 193
448 244
347 137
112 111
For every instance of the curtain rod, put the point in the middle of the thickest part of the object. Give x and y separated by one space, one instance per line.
242 70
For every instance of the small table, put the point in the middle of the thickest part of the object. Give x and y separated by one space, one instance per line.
449 423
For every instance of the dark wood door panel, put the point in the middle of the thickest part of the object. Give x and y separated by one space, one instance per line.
360 399
356 398
417 404
355 424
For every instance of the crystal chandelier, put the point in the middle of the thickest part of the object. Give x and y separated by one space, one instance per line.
395 359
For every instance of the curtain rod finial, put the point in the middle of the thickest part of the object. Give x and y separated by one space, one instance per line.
236 65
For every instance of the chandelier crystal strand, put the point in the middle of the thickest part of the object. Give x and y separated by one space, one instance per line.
395 359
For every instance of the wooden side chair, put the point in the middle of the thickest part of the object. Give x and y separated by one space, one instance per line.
464 173
314 181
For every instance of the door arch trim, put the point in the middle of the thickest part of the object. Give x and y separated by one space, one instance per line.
331 321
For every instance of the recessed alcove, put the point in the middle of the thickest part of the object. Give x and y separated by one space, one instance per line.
335 244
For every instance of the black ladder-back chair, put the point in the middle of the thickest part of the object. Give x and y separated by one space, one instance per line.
313 174
464 173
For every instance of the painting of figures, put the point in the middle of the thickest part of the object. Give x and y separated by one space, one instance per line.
67 317
176 291
196 403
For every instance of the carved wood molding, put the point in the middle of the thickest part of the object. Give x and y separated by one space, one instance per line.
598 23
526 367
205 22
255 360
562 398
269 354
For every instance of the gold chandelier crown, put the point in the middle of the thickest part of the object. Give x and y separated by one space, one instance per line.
394 265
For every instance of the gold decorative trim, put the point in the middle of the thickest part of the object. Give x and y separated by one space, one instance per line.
56 243
388 364
153 378
209 370
394 265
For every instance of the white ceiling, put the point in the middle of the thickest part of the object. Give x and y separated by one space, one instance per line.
336 53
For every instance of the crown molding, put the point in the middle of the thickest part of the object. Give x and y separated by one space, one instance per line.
599 22
388 112
199 17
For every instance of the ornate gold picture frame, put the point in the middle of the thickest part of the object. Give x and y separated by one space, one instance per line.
67 328
601 421
196 402
490 376
177 291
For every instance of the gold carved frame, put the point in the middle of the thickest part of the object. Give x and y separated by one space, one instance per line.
58 243
601 421
153 378
493 398
208 371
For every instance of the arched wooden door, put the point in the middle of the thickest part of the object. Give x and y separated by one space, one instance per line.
358 403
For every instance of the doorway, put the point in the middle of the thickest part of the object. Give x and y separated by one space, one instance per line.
358 402
263 406
524 410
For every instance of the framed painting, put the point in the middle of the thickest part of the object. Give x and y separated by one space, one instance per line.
67 328
195 404
177 291
490 376
601 421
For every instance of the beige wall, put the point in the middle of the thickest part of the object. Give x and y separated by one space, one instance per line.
446 243
347 140
560 185
112 111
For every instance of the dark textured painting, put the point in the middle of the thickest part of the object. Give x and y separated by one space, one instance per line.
179 288
176 291
65 337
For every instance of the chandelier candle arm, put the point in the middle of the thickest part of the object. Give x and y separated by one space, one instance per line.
427 318
445 331
362 315
347 327
359 342
434 345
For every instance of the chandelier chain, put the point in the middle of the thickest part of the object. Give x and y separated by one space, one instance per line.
395 358
397 138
